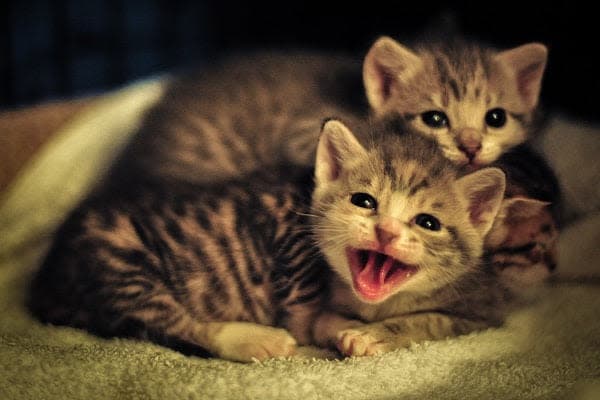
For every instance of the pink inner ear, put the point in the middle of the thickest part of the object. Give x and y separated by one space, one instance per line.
481 205
527 80
386 80
333 161
478 212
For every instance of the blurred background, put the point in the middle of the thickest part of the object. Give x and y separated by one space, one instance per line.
68 48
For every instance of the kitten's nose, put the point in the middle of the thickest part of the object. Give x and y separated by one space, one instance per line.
469 142
388 230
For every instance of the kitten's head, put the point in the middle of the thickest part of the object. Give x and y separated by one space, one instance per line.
395 216
476 102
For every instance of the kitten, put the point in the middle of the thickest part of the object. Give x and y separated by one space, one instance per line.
403 235
237 269
480 105
476 102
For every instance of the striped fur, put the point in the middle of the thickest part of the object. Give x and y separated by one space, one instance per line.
184 265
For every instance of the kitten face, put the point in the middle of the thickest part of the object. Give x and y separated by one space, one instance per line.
476 103
395 217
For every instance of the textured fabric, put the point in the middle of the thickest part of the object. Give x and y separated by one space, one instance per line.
548 350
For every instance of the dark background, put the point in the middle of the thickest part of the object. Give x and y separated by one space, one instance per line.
61 49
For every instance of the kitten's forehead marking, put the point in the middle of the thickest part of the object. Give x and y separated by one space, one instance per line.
463 82
406 176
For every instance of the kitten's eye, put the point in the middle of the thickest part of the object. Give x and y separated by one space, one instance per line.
435 119
428 222
496 118
364 200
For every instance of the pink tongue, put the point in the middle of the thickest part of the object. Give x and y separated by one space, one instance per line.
371 279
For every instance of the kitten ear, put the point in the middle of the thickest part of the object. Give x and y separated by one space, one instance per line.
387 65
527 64
483 191
337 146
521 207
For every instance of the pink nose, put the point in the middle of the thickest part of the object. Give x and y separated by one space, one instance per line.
388 230
470 148
469 142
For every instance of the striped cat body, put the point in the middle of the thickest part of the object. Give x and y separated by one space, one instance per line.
214 268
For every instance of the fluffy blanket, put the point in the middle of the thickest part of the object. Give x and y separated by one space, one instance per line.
548 350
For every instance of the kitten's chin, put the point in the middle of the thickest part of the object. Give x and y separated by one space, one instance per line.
376 276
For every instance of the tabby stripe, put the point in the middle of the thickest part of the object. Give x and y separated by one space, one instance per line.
305 298
309 276
175 232
250 257
298 246
234 269
215 144
251 274
218 287
424 184
457 241
173 279
515 250
137 259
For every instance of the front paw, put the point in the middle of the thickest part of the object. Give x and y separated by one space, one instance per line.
246 342
359 342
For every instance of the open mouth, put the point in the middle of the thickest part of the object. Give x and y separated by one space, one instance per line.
375 275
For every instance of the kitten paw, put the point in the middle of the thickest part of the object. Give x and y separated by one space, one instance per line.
246 342
356 342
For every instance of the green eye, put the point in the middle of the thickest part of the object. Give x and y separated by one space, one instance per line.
364 200
496 118
435 119
428 222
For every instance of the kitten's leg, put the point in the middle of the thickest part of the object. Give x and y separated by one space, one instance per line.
244 341
232 340
400 332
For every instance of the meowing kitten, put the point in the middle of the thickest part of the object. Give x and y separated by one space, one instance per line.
403 236
479 105
234 269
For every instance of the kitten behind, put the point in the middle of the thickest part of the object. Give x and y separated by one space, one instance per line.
476 102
